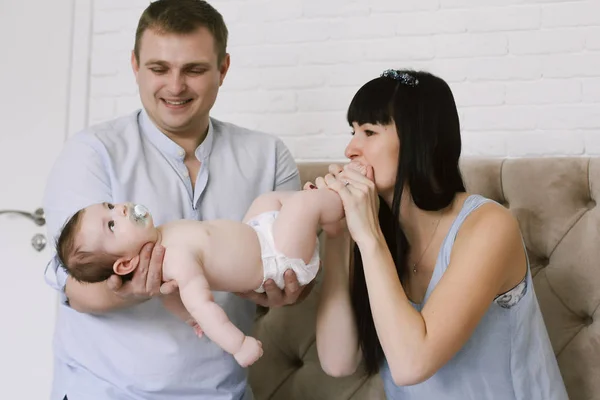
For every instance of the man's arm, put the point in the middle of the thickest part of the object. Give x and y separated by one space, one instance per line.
287 176
79 178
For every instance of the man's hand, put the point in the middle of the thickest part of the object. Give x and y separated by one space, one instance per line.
275 297
147 277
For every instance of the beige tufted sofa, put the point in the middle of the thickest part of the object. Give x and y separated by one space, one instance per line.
554 201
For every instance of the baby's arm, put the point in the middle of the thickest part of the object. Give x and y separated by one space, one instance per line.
173 304
197 298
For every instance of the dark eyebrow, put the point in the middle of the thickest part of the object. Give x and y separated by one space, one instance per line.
159 62
188 65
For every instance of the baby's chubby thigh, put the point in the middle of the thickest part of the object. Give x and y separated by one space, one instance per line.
270 201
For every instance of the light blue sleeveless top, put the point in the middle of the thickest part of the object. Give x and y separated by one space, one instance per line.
508 356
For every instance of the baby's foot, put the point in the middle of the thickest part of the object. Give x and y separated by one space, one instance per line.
356 166
250 351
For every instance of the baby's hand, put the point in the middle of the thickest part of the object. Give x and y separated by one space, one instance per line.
195 326
356 166
250 352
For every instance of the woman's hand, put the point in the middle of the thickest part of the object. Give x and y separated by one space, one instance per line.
360 199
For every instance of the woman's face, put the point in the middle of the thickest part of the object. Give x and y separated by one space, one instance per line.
378 146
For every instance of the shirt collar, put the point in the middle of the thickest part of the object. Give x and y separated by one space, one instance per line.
168 146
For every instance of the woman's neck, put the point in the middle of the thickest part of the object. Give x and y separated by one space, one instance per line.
418 225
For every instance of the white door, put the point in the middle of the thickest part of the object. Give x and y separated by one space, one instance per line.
35 43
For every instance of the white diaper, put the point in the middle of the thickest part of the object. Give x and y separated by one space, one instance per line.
276 263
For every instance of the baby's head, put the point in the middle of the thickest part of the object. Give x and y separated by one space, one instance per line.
105 239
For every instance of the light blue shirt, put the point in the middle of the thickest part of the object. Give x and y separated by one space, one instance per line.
144 352
508 356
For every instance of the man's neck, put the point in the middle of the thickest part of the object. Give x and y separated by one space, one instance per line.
189 144
190 140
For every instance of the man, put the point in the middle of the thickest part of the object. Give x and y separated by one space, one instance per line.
114 340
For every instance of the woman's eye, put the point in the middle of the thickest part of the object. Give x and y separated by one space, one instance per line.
369 132
110 206
111 225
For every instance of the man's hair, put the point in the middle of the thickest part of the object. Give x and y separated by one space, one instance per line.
182 17
83 266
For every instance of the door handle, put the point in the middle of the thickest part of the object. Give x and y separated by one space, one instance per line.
37 216
38 241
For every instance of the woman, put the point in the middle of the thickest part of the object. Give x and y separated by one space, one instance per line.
439 297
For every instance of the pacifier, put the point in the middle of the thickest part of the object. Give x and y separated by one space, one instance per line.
140 211
139 214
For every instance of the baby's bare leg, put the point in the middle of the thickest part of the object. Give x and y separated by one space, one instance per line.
295 228
266 202
198 300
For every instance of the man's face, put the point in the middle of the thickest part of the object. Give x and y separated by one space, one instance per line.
178 78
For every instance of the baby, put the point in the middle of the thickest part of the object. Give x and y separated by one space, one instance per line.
279 232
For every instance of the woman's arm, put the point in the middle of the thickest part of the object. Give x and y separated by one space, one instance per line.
337 337
417 345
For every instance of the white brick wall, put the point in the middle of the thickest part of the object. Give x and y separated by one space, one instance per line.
525 73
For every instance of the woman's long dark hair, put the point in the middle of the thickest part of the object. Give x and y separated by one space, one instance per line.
429 132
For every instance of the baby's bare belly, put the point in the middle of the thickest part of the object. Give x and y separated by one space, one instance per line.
228 251
232 257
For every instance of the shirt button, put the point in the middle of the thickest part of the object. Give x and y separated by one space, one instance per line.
181 153
186 173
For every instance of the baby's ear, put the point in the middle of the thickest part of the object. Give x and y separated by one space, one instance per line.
124 265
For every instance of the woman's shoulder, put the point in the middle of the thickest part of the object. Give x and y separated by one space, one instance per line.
487 219
490 238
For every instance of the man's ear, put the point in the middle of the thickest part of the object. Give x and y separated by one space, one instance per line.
224 67
134 64
124 265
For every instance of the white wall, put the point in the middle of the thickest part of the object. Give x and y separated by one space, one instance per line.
525 73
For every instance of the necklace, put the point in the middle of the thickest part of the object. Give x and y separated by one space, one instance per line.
414 266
